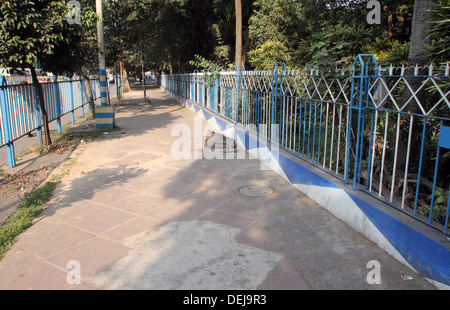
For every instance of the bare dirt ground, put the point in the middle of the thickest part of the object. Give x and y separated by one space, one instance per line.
35 166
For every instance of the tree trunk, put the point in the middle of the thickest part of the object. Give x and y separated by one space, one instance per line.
124 76
91 97
143 79
419 30
416 56
245 50
38 86
170 64
238 51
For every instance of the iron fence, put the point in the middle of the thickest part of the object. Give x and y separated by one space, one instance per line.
20 113
382 130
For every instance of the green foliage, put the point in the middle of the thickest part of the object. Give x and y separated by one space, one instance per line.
439 211
79 47
438 50
319 32
277 21
388 52
202 63
220 58
263 57
29 208
328 34
333 46
28 29
39 29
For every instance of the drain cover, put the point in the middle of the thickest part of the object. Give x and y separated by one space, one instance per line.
255 191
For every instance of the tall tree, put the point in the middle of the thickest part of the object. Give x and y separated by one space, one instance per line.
238 51
118 30
78 53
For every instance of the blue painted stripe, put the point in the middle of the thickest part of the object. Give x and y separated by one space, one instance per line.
102 72
104 126
104 115
103 94
102 83
424 254
298 174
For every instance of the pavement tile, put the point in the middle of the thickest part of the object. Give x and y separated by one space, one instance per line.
99 220
139 204
20 270
183 166
175 211
206 198
230 219
166 173
133 159
94 254
133 227
76 186
56 237
143 183
113 175
68 210
256 235
237 205
284 277
110 194
208 181
214 169
173 189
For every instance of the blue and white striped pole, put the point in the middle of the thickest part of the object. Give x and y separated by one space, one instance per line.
103 87
103 114
101 53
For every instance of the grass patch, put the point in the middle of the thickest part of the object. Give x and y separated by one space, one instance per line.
86 132
29 208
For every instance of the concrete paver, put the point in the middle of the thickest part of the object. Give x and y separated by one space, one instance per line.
134 217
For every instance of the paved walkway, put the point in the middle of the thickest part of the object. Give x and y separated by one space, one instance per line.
130 216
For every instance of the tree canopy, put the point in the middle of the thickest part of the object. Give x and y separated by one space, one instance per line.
34 31
187 35
180 36
40 30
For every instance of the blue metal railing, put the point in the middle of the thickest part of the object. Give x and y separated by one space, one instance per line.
20 113
379 130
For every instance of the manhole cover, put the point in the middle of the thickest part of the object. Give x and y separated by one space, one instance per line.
255 191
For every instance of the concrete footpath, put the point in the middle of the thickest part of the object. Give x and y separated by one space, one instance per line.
131 216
